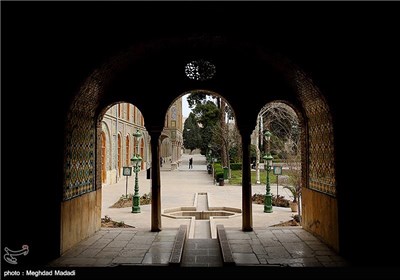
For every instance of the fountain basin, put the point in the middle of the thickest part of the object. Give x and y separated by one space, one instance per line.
202 215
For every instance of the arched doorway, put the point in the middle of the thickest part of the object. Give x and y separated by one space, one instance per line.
204 133
279 136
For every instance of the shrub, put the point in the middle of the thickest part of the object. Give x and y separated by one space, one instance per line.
127 201
145 199
106 219
236 166
278 201
218 171
119 224
294 190
217 165
219 175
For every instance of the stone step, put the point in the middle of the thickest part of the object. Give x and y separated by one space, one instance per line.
227 256
179 243
202 253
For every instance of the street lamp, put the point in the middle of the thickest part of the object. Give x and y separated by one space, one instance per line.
136 167
209 153
212 161
268 160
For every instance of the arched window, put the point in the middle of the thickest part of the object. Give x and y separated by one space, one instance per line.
127 151
142 152
103 157
119 154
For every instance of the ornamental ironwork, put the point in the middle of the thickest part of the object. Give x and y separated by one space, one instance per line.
200 70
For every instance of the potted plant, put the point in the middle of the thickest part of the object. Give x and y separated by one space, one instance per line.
295 193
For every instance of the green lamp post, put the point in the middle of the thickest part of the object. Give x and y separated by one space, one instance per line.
209 153
136 168
268 161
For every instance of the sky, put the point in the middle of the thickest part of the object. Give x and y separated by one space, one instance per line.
185 107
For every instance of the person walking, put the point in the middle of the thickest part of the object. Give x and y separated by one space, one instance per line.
191 163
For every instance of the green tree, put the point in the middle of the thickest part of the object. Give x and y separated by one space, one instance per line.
212 113
191 133
196 98
207 114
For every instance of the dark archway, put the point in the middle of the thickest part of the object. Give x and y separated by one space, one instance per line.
157 69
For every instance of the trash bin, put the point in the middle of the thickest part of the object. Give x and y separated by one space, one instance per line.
226 172
221 181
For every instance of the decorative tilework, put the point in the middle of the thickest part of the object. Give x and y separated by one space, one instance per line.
320 137
79 165
80 148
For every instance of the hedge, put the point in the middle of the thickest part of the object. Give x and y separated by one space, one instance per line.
236 166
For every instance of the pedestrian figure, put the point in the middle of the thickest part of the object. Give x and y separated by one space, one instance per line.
161 161
190 163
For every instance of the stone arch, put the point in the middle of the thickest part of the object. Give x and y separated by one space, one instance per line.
145 140
165 146
253 68
302 144
206 92
106 129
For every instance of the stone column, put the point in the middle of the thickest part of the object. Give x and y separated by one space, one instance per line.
155 180
247 215
174 156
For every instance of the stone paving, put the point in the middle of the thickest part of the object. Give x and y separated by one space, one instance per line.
265 246
280 246
120 246
283 246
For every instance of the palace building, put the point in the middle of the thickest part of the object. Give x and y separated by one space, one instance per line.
118 144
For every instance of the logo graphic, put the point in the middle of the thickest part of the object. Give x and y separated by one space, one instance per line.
10 255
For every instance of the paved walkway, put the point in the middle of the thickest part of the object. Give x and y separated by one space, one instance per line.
179 188
266 245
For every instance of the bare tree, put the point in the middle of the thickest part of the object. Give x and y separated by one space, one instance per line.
257 145
223 128
282 121
227 136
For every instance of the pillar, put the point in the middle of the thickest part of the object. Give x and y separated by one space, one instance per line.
174 163
155 180
247 215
